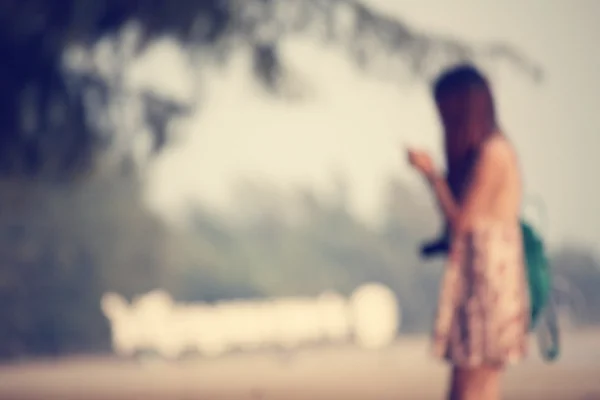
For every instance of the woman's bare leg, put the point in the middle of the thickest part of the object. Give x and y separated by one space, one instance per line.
492 383
482 383
455 388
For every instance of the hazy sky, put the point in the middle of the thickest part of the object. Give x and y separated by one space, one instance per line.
354 123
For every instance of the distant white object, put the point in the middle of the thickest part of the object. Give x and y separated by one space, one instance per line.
376 315
155 322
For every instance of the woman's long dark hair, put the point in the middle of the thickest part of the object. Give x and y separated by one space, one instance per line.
466 106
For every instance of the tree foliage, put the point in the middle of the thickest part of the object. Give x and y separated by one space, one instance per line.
48 124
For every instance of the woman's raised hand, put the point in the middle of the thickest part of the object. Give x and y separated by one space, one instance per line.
422 162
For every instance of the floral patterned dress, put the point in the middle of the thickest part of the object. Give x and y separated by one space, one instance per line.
483 311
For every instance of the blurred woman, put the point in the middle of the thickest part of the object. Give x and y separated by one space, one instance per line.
483 312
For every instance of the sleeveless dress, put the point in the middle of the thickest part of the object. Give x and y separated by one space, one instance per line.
483 311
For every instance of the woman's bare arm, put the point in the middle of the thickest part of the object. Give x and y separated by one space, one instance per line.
445 199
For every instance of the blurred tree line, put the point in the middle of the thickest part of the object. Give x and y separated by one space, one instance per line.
73 223
303 243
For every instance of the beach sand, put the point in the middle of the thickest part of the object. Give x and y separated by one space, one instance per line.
402 371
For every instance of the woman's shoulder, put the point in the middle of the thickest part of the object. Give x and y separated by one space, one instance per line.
497 149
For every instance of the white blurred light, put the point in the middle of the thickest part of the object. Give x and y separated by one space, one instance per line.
155 322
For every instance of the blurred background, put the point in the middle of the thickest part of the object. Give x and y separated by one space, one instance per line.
254 149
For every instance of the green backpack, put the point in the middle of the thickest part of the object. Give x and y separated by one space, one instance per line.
543 314
538 271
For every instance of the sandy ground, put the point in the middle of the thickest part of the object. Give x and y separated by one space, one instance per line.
404 371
